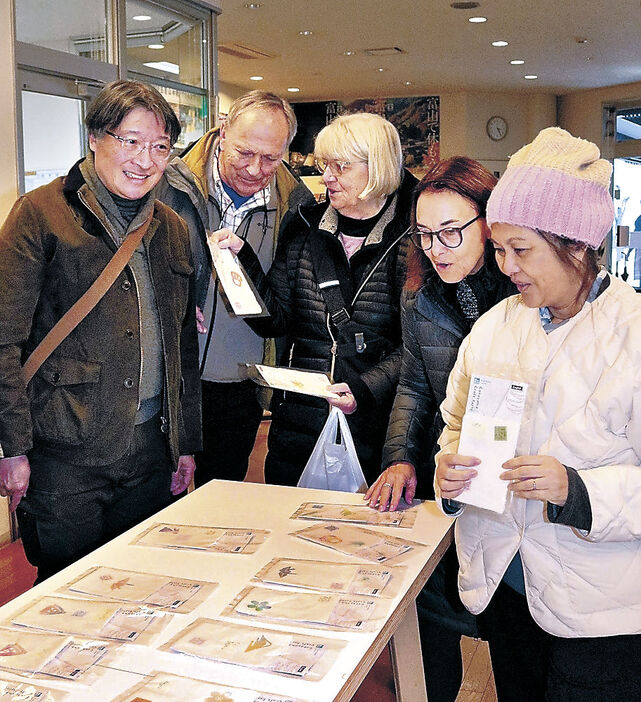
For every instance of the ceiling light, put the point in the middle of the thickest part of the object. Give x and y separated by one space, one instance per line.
380 70
155 46
255 77
477 20
500 42
517 62
141 18
165 66
530 76
349 52
293 90
581 40
306 33
408 82
252 5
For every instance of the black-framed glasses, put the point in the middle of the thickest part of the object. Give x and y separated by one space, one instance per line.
159 151
451 237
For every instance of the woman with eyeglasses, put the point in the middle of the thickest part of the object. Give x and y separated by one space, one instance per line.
334 291
452 279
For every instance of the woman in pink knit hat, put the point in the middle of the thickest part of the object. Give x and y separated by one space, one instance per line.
556 577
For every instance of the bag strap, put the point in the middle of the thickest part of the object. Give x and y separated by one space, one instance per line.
328 282
81 308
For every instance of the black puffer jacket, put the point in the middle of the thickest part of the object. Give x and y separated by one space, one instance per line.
298 312
433 328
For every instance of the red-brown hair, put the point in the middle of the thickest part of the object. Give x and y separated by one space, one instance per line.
458 174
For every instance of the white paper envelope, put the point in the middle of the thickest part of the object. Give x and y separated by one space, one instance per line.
292 380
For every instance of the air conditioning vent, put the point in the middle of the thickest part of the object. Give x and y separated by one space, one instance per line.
243 51
385 51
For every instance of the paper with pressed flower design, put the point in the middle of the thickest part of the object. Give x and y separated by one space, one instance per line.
356 541
201 538
92 618
281 652
165 592
324 576
355 514
313 609
165 687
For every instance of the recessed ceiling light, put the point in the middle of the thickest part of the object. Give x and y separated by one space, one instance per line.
500 42
581 40
477 20
306 33
293 90
165 66
155 46
380 70
517 62
408 82
349 52
530 76
255 77
141 18
252 5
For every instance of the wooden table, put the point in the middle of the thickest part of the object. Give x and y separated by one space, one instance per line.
251 505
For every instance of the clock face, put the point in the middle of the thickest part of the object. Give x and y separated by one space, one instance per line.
496 128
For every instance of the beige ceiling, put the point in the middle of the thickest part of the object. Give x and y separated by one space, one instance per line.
443 51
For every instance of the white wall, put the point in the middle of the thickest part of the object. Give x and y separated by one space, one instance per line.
9 143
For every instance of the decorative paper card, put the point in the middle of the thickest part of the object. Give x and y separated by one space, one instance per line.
202 538
349 578
165 687
356 514
292 380
159 591
92 618
490 431
12 691
315 609
243 299
25 652
356 541
281 652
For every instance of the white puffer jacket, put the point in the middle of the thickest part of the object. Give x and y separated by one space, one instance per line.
583 408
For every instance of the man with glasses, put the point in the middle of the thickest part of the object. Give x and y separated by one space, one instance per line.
106 430
234 178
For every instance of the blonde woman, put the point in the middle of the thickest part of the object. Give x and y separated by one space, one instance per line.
334 290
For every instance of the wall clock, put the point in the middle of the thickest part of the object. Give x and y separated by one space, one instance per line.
496 128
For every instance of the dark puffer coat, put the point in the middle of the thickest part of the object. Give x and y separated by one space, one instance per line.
433 328
298 312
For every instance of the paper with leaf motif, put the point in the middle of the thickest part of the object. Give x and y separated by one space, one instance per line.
13 691
280 652
324 576
314 383
315 609
165 687
242 297
355 514
92 618
159 591
202 538
26 652
356 541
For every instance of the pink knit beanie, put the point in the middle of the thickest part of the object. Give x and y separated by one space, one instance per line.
557 184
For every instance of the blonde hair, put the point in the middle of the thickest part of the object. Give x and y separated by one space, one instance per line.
365 137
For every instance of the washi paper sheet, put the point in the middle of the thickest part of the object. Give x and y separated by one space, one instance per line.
490 431
280 652
93 619
324 576
58 655
165 592
357 541
313 383
12 691
355 514
165 687
241 295
202 538
309 609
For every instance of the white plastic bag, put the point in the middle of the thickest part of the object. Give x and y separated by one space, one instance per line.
334 466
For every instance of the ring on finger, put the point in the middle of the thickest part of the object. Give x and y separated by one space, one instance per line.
389 485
